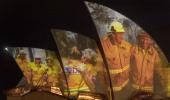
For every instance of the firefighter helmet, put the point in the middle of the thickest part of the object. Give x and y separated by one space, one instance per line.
117 27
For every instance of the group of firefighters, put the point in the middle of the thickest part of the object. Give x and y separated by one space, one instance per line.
38 74
81 72
130 66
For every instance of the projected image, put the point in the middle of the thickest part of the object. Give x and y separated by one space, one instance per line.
83 63
41 70
135 61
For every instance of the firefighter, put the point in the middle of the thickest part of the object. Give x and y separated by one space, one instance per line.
23 64
117 52
82 75
145 60
53 71
39 73
86 68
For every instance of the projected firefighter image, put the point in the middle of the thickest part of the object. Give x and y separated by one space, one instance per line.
135 61
41 70
83 64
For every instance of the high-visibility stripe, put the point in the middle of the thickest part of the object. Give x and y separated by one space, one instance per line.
118 88
143 88
80 89
120 70
74 91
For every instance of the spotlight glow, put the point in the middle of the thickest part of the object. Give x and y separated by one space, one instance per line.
6 48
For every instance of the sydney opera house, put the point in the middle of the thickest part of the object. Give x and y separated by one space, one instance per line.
115 60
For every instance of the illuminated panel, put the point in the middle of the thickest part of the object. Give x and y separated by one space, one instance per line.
41 70
89 96
135 61
83 64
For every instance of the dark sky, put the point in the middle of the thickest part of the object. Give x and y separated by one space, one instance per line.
28 22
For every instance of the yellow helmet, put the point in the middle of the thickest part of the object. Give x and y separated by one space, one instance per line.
117 26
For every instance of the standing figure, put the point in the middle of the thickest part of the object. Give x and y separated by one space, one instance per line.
52 73
39 73
83 72
86 68
117 52
24 65
145 63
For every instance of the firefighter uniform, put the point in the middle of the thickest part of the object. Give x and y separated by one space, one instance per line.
144 63
118 58
88 74
80 77
39 72
75 81
23 64
52 73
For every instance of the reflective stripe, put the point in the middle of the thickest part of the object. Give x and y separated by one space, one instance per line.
118 88
74 91
120 70
80 89
143 88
